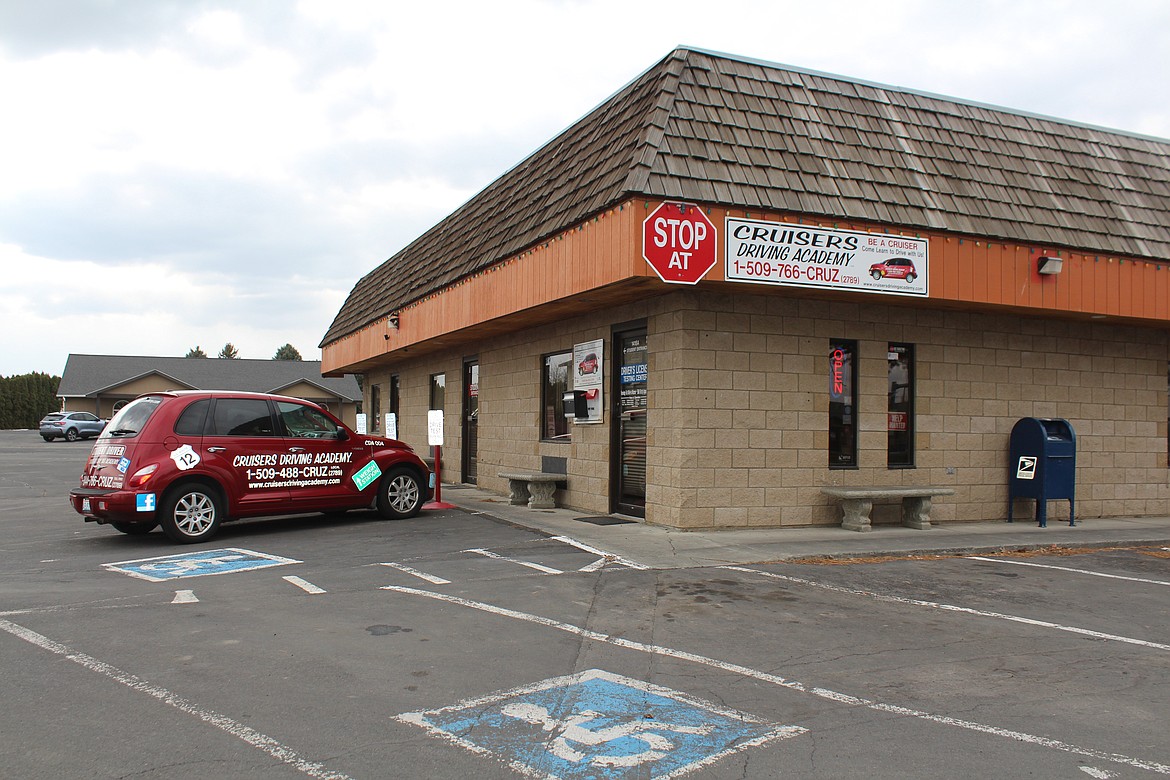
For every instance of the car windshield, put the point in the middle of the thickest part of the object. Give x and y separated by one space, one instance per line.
131 418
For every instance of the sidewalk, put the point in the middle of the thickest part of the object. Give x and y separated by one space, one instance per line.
664 548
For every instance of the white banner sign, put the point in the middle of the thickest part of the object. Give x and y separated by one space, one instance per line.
761 252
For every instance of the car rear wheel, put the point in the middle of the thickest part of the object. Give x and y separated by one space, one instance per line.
876 274
47 438
191 513
135 529
400 494
910 278
71 434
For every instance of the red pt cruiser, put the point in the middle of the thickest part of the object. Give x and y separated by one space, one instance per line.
894 268
190 460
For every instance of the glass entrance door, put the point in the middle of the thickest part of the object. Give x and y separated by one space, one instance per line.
470 418
629 450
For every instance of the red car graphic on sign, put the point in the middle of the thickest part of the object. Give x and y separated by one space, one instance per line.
589 365
894 268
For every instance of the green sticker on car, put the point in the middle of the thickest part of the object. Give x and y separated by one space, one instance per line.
367 476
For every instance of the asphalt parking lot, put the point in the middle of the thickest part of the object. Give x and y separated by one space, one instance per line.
454 645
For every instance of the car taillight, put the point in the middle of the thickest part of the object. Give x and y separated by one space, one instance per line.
143 475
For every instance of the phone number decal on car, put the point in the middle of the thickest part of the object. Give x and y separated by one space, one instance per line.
760 252
294 472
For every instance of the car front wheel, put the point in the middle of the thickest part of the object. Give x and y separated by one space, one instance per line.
400 494
191 513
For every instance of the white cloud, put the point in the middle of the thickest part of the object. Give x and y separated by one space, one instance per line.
54 307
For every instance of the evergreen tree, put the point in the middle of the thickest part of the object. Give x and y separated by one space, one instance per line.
229 352
197 352
26 398
287 352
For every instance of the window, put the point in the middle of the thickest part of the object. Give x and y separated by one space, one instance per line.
305 422
190 422
395 390
241 417
438 390
130 419
842 404
376 406
558 380
900 409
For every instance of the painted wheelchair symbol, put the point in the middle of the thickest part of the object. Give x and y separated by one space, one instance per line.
185 567
197 564
597 725
575 729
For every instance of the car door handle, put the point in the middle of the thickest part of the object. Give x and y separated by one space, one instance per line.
296 449
217 449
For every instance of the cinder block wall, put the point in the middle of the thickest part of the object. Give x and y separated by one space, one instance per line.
739 407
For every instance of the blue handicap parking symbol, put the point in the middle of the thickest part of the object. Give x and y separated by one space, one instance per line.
197 564
598 725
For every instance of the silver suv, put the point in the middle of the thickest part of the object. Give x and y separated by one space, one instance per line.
71 426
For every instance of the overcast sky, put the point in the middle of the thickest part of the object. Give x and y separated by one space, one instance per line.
198 172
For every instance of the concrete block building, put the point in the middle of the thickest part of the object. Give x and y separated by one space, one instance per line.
758 281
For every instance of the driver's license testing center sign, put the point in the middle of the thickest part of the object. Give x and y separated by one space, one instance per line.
761 252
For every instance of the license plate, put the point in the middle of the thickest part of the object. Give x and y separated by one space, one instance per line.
85 505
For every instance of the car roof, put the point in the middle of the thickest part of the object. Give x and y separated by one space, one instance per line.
222 394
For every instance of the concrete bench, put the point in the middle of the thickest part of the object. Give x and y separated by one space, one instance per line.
856 503
533 488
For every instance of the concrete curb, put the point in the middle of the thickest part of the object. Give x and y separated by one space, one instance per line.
663 548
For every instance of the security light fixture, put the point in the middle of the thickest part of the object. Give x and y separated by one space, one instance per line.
1048 265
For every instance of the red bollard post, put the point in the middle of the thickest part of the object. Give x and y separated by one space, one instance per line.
437 502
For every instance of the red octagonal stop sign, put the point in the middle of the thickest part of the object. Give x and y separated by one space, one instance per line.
678 241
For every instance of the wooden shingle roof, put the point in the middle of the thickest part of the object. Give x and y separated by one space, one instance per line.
707 127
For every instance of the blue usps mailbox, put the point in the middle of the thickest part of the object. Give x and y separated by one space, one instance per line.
1043 465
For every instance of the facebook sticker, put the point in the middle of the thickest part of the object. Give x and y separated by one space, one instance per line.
146 502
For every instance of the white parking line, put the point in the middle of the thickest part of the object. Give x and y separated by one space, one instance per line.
607 557
420 574
538 567
824 693
281 753
951 608
1068 569
304 585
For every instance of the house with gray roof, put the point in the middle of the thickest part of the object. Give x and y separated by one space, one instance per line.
754 282
102 384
